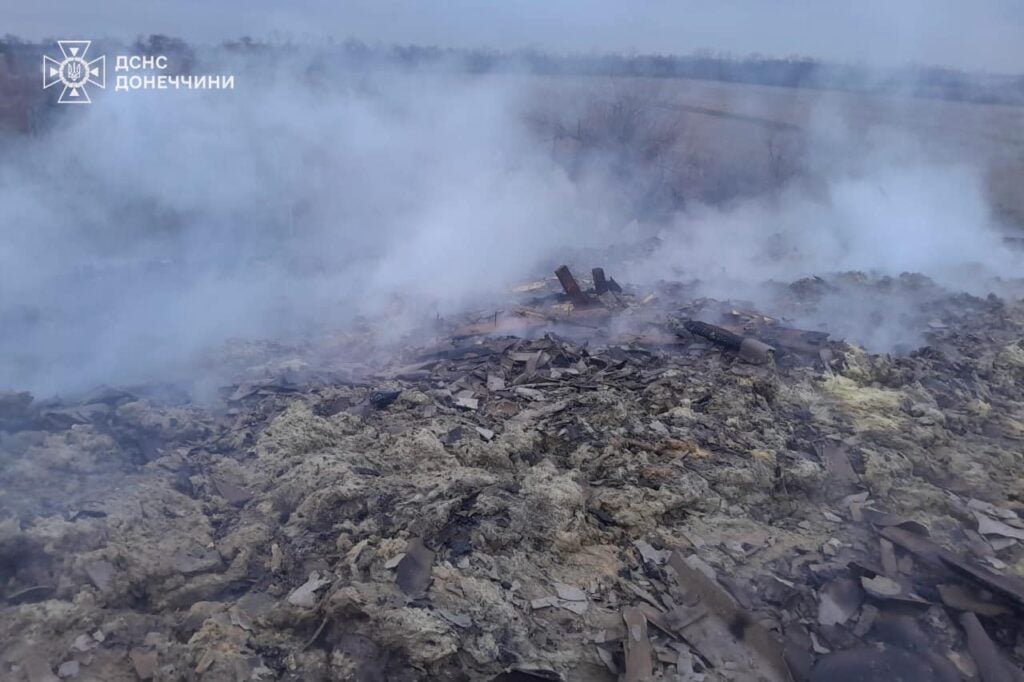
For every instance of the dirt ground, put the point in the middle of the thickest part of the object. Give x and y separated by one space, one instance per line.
552 492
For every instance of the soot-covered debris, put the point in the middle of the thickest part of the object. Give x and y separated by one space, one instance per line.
589 484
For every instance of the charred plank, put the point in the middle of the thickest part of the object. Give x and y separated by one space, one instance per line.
572 287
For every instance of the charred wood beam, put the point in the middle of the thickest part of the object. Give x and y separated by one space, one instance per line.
718 335
572 288
600 283
750 349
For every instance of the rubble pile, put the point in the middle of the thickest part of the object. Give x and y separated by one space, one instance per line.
594 483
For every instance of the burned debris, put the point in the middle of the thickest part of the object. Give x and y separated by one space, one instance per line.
747 348
594 483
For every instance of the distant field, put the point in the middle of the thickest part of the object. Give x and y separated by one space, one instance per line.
731 131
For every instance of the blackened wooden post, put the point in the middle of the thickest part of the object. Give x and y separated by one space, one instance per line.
572 289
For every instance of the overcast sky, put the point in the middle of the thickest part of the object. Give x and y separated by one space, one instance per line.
970 34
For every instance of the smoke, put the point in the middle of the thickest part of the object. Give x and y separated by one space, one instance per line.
879 204
150 226
156 223
893 219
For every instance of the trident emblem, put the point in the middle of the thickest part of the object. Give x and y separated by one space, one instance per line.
74 72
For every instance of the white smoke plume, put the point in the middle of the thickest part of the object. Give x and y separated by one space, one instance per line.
152 225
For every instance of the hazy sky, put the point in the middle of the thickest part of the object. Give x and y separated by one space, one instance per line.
979 34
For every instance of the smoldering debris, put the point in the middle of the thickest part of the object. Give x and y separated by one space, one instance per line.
600 491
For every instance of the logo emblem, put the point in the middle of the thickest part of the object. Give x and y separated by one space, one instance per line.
74 72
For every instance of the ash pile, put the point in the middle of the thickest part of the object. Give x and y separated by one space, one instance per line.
593 483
